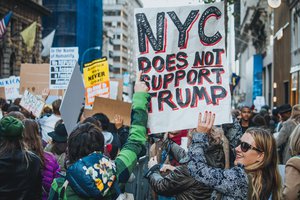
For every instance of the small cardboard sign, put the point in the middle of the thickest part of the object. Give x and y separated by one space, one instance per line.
11 85
110 108
2 92
35 78
32 103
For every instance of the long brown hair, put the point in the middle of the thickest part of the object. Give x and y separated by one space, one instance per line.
32 138
266 179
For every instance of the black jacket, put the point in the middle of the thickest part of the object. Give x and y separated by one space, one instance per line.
20 176
180 183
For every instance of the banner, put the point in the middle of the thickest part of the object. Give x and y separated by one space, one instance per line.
62 63
11 87
96 80
32 103
181 51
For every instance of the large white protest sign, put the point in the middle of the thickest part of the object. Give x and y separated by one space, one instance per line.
73 100
181 51
62 63
32 103
12 86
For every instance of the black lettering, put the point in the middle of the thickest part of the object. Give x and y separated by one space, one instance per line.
165 97
217 93
183 28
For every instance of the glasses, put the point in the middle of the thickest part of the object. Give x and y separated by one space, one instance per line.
245 147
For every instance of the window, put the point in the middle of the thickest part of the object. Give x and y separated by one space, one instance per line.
117 47
116 59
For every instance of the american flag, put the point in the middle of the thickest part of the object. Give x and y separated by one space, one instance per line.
3 24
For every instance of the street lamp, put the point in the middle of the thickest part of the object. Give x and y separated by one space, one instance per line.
85 52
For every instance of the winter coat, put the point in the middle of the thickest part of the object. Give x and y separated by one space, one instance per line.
291 188
283 138
20 176
180 183
89 176
231 183
50 172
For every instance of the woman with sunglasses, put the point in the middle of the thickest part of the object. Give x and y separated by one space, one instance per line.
255 175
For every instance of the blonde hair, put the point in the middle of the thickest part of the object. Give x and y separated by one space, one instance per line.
266 179
295 141
295 112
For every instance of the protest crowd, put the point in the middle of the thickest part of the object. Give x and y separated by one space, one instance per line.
181 121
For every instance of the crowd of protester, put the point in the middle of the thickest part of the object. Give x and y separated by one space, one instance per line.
40 160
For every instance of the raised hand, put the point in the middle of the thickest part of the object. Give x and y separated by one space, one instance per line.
205 124
118 121
140 86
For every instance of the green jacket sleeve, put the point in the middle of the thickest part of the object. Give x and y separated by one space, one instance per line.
127 158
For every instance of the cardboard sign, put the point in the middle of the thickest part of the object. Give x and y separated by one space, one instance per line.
35 78
96 80
32 103
73 100
181 51
2 92
11 87
110 108
62 63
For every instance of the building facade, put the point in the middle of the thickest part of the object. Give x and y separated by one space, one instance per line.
13 51
253 29
118 18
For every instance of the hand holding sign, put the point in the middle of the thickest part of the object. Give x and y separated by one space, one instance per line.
140 86
205 124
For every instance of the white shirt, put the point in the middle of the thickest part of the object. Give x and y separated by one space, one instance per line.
47 125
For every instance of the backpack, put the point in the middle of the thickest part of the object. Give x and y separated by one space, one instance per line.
91 177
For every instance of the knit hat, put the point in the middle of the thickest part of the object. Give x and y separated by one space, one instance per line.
11 128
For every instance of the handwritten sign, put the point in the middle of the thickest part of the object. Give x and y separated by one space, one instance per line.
62 63
181 51
32 103
11 87
96 80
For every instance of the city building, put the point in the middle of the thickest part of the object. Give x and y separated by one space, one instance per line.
253 29
118 18
77 23
13 50
295 51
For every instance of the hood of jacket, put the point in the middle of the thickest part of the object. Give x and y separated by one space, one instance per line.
92 176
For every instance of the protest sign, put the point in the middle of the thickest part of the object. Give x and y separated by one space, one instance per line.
73 100
32 103
116 89
110 108
62 63
96 80
11 87
181 51
2 92
35 78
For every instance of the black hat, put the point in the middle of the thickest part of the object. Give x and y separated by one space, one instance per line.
59 134
284 108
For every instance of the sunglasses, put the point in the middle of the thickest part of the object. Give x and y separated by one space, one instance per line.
245 147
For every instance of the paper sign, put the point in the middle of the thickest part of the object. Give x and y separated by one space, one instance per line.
96 80
62 63
181 51
11 86
110 108
73 100
32 103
